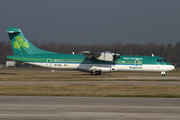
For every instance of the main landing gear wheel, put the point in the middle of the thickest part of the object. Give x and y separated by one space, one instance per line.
96 72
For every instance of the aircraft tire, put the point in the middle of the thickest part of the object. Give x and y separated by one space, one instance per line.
96 72
93 73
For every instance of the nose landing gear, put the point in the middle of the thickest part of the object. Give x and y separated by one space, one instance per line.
163 73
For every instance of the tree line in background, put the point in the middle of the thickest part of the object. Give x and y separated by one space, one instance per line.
169 52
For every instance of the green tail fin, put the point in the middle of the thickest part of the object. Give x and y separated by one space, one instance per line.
21 46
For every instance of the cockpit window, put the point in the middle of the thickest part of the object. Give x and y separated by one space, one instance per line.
161 60
164 60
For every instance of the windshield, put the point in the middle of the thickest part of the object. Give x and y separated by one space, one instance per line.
161 60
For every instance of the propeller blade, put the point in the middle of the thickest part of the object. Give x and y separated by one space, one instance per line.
115 57
121 53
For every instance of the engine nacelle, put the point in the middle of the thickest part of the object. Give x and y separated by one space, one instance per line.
106 56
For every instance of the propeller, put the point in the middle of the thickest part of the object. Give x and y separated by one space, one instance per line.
121 53
115 57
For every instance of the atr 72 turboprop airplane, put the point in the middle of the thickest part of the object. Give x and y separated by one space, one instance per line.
94 62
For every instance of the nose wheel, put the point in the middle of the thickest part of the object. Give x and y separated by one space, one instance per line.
163 73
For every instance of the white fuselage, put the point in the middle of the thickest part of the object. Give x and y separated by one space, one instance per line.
105 67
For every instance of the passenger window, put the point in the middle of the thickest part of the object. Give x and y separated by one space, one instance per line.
61 60
161 60
158 60
71 60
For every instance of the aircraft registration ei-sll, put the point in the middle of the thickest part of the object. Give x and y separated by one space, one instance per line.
94 62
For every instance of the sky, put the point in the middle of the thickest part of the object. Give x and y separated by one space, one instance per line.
93 21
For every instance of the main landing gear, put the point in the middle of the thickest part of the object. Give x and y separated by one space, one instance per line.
96 72
163 73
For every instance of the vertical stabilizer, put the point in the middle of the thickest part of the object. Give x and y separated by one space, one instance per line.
21 46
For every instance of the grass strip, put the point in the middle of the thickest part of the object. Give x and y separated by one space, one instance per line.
92 90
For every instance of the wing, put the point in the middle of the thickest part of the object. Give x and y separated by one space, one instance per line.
104 56
89 54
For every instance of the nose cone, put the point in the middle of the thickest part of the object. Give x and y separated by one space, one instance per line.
171 67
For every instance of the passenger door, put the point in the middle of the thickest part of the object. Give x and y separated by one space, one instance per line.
49 62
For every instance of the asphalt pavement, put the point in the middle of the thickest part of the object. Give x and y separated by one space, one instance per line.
88 108
177 83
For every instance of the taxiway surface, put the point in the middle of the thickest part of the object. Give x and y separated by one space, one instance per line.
146 77
88 108
177 83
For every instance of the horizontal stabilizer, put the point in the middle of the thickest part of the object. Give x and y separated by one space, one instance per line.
13 30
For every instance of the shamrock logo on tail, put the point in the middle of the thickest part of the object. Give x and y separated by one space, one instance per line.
20 43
